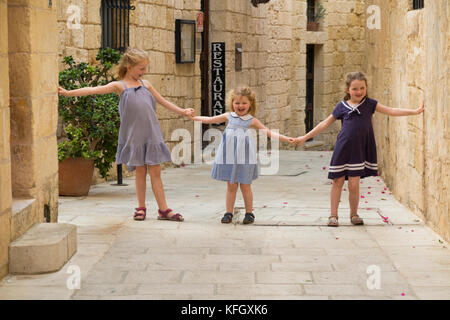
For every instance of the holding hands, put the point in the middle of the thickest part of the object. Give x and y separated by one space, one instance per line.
189 112
299 141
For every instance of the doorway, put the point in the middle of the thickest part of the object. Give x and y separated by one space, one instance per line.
309 110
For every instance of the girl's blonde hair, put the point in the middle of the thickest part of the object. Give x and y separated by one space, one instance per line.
353 76
131 57
242 92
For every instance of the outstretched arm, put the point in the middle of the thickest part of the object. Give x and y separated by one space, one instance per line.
217 119
167 104
258 125
112 87
398 112
317 129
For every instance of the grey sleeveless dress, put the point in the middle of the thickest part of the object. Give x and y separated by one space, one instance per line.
140 137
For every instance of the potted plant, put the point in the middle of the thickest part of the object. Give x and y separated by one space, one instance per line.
91 124
313 19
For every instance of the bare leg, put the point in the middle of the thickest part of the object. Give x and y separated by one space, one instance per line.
231 196
141 185
353 198
335 197
157 186
246 190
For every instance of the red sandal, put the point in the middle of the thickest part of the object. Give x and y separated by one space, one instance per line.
164 215
138 216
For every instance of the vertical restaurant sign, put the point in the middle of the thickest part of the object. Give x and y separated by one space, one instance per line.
218 78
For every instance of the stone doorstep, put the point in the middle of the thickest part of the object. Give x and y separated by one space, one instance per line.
22 216
45 247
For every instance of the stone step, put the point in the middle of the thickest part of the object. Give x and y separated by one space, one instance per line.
22 216
314 145
46 247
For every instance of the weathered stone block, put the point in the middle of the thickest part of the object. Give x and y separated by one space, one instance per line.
92 11
93 36
19 29
5 187
5 130
5 233
20 74
43 30
46 247
22 218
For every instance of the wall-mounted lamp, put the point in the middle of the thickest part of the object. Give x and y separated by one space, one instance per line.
184 41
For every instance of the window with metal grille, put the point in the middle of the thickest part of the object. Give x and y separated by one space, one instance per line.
418 4
115 15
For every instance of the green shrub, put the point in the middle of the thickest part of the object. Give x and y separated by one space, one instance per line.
91 123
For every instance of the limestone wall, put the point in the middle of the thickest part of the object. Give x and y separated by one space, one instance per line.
28 119
342 52
33 100
274 39
408 61
5 159
152 28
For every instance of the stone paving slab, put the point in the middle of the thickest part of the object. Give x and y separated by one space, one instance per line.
288 253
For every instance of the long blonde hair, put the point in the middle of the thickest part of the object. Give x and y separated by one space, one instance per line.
131 57
353 76
242 92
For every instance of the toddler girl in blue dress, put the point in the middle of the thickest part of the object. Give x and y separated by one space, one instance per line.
236 157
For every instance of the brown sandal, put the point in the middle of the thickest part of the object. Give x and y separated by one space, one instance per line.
356 220
164 215
333 221
138 216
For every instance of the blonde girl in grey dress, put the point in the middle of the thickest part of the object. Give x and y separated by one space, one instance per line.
236 158
141 145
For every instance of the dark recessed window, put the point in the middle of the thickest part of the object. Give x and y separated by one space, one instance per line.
115 15
418 4
311 5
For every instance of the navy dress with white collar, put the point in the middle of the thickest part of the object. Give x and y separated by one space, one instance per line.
355 152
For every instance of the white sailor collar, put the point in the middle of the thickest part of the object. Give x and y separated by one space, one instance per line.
245 118
355 108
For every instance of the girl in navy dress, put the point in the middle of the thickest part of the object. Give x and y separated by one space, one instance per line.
236 159
355 155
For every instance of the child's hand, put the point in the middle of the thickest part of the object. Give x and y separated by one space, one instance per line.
300 141
63 92
189 112
421 108
291 140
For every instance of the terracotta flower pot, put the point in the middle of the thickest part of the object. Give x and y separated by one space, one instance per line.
312 26
75 176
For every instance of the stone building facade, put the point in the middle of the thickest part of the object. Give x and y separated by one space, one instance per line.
28 119
274 40
407 61
404 60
